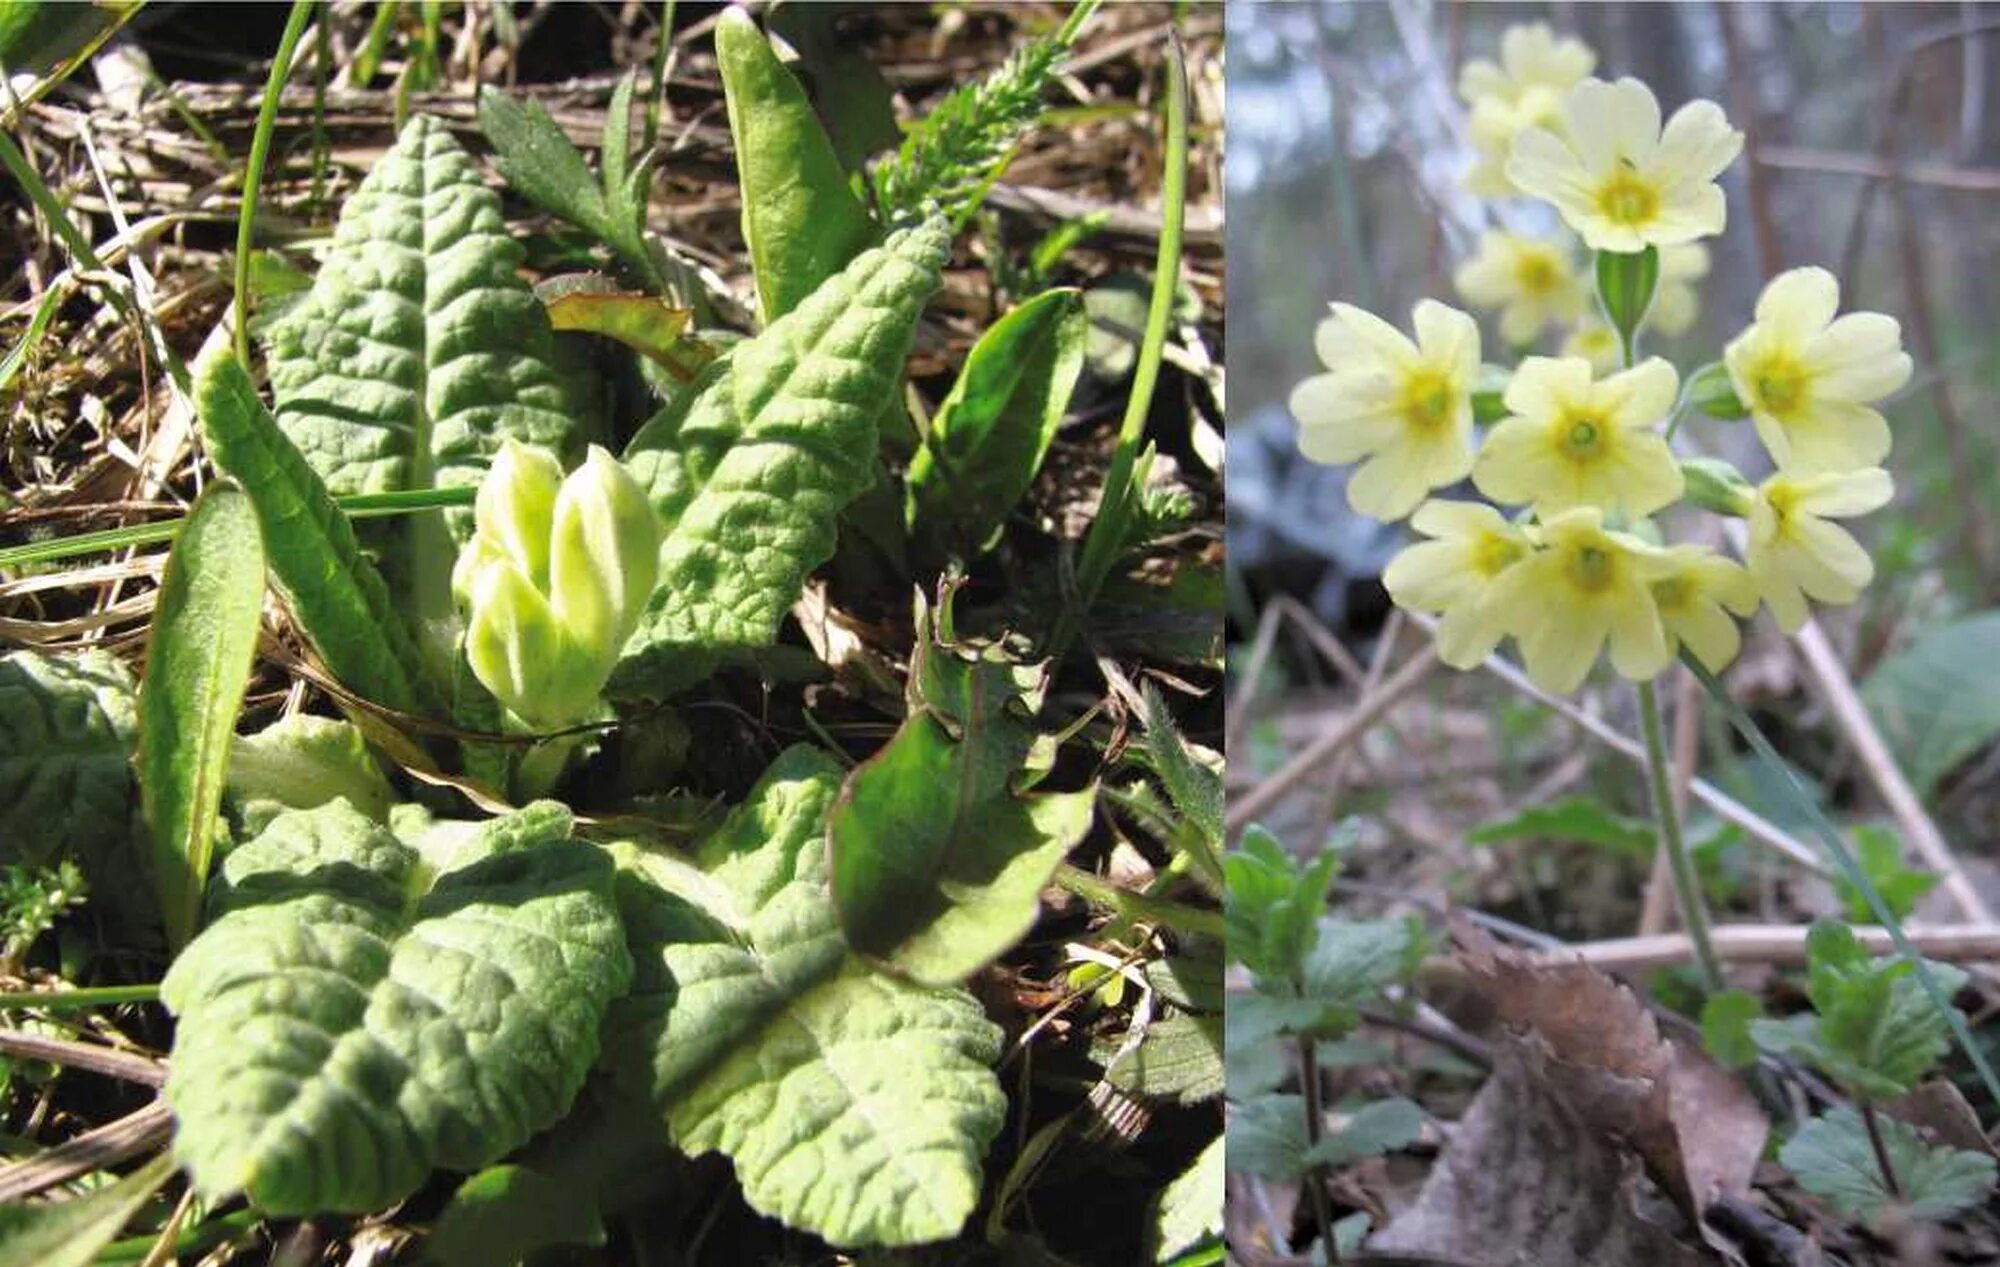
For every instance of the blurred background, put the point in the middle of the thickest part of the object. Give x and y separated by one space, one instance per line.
1872 149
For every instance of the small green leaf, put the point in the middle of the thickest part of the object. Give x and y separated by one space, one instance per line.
334 591
1193 786
938 859
1350 962
1267 1138
71 1233
504 1214
990 435
197 668
854 1105
1880 853
1938 699
801 220
1584 819
1626 284
1831 1156
1726 1019
357 1014
1273 905
1178 1059
1189 1211
1379 1127
301 762
769 445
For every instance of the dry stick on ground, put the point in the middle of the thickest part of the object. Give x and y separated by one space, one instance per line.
1780 944
108 1145
1727 808
1248 807
1336 774
97 1059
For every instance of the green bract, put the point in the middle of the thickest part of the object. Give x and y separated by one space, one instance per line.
853 1105
553 579
357 1013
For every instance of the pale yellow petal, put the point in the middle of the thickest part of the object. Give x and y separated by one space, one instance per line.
1442 518
1388 485
1698 143
1355 335
1638 642
1479 78
1545 385
1777 441
1560 650
1835 435
1541 165
1591 123
1632 118
1431 575
1685 215
1799 302
1642 396
1781 593
1848 494
1647 476
1467 634
1860 357
1487 279
1515 463
1447 337
1709 632
1522 322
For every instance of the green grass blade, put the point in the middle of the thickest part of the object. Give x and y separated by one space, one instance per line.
253 175
1109 532
336 593
1850 867
197 668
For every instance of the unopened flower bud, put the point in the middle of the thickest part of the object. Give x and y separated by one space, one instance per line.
516 507
1715 485
1710 390
604 553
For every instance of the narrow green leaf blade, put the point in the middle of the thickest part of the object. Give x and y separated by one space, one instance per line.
197 668
354 1000
536 157
801 220
70 1233
768 446
990 435
335 592
854 1105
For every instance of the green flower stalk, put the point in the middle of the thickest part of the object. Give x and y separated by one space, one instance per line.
553 580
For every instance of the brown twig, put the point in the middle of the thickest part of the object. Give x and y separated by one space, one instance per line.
108 1145
1783 945
108 1061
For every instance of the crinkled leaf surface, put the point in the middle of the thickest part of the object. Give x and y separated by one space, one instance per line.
1267 1137
301 762
853 1105
1832 1158
938 858
1179 1058
1938 700
67 729
417 352
357 1014
752 463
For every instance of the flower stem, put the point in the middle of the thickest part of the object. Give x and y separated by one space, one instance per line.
75 1000
1868 1120
1315 1125
1687 885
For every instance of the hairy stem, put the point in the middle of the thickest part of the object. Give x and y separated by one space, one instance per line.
1687 886
1315 1125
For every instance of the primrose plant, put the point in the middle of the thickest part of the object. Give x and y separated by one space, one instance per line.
1574 453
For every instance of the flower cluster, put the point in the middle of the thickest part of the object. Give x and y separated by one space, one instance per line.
1578 449
553 580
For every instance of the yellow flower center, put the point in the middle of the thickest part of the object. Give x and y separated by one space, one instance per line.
1781 384
1429 399
1592 568
1536 274
1673 593
1582 437
1783 500
1495 554
1627 199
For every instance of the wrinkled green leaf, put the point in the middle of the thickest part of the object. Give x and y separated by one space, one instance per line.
1873 1027
68 726
1267 1137
939 854
301 762
1938 700
418 351
204 638
1194 787
504 1214
1726 1019
853 1105
1179 1058
1832 1157
357 1014
1880 853
752 464
338 597
1273 905
801 220
1583 819
1351 961
70 1233
1189 1211
989 437
1381 1126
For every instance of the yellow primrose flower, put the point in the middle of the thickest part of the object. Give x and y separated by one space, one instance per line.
1471 545
1675 304
1523 89
1401 409
1795 554
1572 440
1617 178
1532 281
1692 598
1809 379
1587 585
1597 343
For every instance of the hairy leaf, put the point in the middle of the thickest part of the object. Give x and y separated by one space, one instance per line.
989 437
853 1105
417 352
752 464
67 729
70 1233
1379 1127
1267 1138
332 588
939 856
357 1014
1179 1058
301 762
1190 1209
1938 700
801 221
197 667
1879 851
1832 1157
1273 905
